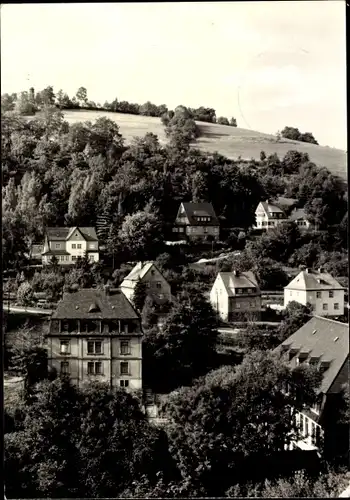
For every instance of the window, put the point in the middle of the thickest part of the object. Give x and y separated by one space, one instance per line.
94 347
290 294
65 347
79 245
92 245
64 368
124 368
159 284
57 245
181 229
318 295
336 306
94 368
331 294
124 383
92 258
124 347
74 245
325 307
74 257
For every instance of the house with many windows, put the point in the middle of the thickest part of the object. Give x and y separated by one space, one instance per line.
148 273
69 243
96 335
196 221
324 344
236 296
318 288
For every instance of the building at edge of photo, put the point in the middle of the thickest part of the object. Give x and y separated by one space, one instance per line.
236 296
67 244
323 343
148 273
96 335
318 288
196 222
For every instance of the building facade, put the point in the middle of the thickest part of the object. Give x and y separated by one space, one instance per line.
324 344
236 296
196 221
301 220
319 289
268 215
96 335
148 273
67 244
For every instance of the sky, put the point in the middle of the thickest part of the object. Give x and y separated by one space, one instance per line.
269 64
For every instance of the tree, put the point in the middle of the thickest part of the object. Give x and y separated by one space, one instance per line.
8 102
186 347
24 106
81 95
139 297
25 294
223 121
295 316
262 156
233 122
235 414
141 234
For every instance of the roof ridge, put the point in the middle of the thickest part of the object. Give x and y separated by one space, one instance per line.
329 319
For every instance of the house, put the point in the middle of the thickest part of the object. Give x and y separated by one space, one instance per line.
269 215
235 295
300 218
147 272
196 221
96 335
319 289
323 343
69 243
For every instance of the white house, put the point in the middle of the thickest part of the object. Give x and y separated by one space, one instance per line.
234 295
319 289
69 243
268 215
148 273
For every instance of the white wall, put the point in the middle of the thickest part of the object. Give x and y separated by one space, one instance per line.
304 297
219 298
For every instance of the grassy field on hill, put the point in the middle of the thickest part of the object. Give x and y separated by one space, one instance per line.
228 141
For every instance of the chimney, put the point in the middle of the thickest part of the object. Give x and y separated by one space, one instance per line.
307 270
320 269
235 272
267 201
107 289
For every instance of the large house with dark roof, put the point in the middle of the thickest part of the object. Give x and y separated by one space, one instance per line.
196 221
319 289
96 335
148 273
323 343
69 243
236 296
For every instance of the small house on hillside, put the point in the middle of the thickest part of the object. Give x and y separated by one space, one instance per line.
324 344
147 272
96 335
319 289
300 218
236 295
269 215
69 243
196 221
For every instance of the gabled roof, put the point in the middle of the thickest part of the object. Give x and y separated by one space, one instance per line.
56 252
325 339
242 280
77 305
202 209
298 214
63 233
270 208
314 280
138 272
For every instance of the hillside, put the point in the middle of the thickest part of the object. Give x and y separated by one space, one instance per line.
229 141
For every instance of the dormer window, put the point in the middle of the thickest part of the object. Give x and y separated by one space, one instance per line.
94 308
